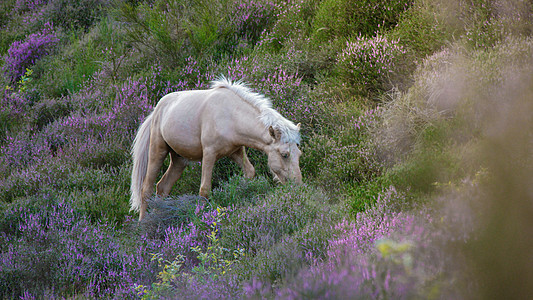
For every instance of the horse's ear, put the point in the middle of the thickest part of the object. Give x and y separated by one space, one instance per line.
274 133
299 125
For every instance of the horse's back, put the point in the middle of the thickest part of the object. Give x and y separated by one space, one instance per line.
184 116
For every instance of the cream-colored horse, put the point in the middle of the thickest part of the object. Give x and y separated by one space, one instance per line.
207 125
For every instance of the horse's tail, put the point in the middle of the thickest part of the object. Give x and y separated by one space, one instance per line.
139 151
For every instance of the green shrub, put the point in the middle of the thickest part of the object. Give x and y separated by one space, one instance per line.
293 22
13 108
107 204
5 8
361 196
342 155
421 29
340 19
73 67
206 27
434 160
99 155
169 33
99 56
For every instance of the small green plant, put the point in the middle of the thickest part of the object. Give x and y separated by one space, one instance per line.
163 287
25 80
212 262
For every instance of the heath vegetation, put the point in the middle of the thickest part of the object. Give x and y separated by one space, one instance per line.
416 139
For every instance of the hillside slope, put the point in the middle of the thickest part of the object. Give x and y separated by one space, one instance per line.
416 141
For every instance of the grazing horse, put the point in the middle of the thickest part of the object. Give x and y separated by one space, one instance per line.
206 125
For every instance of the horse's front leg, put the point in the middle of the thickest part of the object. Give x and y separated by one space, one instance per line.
208 162
242 160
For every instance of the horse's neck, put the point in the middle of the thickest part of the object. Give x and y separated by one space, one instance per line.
251 131
254 133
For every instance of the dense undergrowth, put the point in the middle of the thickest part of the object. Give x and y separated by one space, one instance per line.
416 140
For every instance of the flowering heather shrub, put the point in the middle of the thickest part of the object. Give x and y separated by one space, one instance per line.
23 5
281 233
24 54
289 96
104 137
19 152
262 225
239 68
378 221
13 107
56 250
48 110
288 256
51 246
368 63
48 173
386 252
192 260
101 139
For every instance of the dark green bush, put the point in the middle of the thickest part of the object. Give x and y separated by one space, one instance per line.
74 14
49 110
74 67
169 212
240 191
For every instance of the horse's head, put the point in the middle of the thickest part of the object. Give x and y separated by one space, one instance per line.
284 158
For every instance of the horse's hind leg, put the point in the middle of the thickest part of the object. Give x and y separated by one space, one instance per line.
241 159
157 154
173 173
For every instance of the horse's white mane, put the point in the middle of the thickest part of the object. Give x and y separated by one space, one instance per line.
290 133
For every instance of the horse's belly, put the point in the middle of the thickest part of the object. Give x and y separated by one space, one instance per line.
180 128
